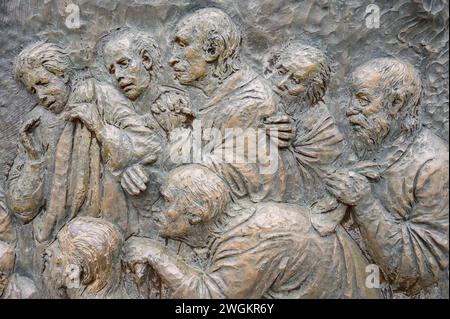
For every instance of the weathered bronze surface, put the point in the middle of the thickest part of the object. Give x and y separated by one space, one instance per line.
224 149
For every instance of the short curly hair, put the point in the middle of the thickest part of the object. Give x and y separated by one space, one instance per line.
93 243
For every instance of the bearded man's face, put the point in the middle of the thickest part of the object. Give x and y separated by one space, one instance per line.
367 111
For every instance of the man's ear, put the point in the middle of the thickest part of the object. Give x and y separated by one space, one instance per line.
146 60
213 47
398 101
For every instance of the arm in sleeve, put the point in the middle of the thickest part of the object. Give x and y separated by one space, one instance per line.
237 270
413 251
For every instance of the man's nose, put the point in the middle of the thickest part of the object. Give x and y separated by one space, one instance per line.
282 85
353 109
119 74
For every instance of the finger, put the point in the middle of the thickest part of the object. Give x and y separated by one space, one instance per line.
187 111
283 144
334 184
283 135
278 119
134 182
154 108
137 181
170 103
129 186
149 159
140 171
280 127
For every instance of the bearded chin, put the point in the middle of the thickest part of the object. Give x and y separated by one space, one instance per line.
368 140
295 104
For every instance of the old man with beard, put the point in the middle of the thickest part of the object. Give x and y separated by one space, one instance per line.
399 190
263 250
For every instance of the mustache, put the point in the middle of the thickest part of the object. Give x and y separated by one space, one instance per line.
370 133
359 120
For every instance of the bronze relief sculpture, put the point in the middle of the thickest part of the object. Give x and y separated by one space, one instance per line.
177 160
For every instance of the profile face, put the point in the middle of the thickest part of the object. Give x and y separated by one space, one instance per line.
291 75
55 269
51 90
127 68
188 60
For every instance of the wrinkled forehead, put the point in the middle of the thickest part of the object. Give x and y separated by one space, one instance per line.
365 77
118 47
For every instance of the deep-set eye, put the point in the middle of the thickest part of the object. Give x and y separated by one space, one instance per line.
363 101
123 63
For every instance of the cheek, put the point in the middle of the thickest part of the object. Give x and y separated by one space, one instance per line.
373 108
197 63
58 89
